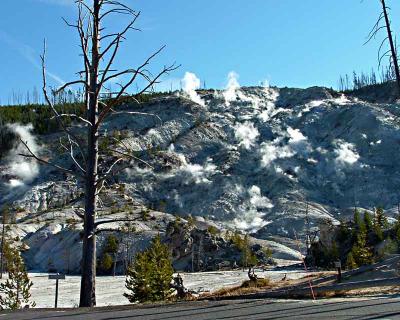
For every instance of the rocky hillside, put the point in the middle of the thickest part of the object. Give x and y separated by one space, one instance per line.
243 158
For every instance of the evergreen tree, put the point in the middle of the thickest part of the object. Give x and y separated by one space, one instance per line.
138 279
248 258
108 254
106 262
111 245
162 270
380 222
380 218
350 262
15 291
359 225
361 253
345 232
396 229
356 218
368 221
334 252
150 276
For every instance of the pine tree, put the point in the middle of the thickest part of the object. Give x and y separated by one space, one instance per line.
248 257
111 245
380 222
15 291
368 221
380 218
106 262
361 253
109 252
138 279
150 276
356 218
350 262
359 224
396 229
334 252
162 270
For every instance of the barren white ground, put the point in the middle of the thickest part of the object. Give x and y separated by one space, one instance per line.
110 289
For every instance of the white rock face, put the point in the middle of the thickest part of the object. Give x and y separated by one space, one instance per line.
249 158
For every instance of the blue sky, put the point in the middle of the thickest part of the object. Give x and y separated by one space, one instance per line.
287 42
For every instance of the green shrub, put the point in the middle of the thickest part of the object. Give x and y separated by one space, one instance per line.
150 275
109 250
350 262
106 262
213 230
15 291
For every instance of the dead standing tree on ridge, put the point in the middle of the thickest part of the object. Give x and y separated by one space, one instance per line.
99 52
392 51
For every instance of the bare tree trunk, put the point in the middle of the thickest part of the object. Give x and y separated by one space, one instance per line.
93 80
88 281
2 251
115 264
392 45
3 235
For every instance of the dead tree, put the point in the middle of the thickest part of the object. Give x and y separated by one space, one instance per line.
4 220
99 52
392 51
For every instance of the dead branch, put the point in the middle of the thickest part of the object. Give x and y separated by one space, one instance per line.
101 222
71 115
34 156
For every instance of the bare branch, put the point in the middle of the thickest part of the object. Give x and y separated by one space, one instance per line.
98 231
150 84
98 223
79 214
68 84
71 115
120 35
135 112
34 156
132 157
71 143
52 107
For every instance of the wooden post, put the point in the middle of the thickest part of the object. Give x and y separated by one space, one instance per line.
338 266
56 300
56 277
115 264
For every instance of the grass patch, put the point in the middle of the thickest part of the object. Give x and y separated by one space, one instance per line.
246 287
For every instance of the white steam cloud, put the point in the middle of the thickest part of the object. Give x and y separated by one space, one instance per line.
271 150
346 153
270 109
233 85
253 211
247 134
23 169
193 173
295 135
190 84
199 174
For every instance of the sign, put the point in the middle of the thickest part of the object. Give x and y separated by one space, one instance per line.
338 264
56 276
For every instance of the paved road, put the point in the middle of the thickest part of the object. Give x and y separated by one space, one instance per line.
380 308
